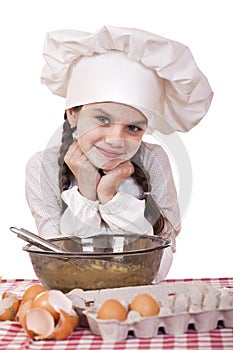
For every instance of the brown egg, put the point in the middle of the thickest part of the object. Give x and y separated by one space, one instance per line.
112 309
145 304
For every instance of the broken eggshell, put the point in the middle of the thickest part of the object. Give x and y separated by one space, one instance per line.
53 309
53 301
9 306
43 314
32 291
39 323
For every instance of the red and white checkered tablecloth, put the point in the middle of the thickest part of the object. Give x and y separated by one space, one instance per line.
12 336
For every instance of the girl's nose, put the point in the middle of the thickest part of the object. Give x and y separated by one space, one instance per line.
115 136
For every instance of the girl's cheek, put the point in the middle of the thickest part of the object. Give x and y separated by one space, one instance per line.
83 127
133 146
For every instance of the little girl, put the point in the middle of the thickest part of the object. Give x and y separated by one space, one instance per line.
119 83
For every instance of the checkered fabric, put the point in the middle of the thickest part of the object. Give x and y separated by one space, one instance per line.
13 337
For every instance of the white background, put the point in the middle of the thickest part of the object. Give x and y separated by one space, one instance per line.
30 114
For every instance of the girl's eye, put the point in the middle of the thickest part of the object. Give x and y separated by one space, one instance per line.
102 119
134 128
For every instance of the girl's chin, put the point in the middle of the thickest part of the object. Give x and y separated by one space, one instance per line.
107 166
101 162
112 164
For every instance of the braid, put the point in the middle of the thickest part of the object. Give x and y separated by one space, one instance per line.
64 171
152 212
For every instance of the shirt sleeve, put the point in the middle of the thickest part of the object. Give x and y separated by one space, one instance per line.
124 212
42 195
81 217
84 218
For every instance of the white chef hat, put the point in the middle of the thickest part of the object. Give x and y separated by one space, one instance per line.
156 75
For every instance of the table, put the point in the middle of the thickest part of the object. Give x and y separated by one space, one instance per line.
12 336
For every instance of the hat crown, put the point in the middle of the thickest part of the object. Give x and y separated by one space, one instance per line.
115 77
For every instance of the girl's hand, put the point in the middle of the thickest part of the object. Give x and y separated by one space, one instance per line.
108 184
86 174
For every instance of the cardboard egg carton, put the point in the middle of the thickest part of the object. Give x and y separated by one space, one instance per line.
181 304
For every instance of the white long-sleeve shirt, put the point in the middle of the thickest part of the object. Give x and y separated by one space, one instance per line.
83 217
45 200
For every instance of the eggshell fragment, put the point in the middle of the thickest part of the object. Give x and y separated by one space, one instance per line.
32 291
9 306
22 311
39 323
7 294
59 301
65 326
53 301
42 301
74 319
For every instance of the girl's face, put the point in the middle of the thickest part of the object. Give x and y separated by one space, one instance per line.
109 133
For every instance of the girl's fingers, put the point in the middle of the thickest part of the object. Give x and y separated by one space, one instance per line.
73 148
123 169
77 161
73 151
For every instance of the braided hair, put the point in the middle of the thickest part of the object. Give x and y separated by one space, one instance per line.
64 171
141 177
152 212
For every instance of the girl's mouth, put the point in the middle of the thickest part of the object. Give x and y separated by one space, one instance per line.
109 153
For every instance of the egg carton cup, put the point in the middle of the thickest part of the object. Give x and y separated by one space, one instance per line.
181 304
